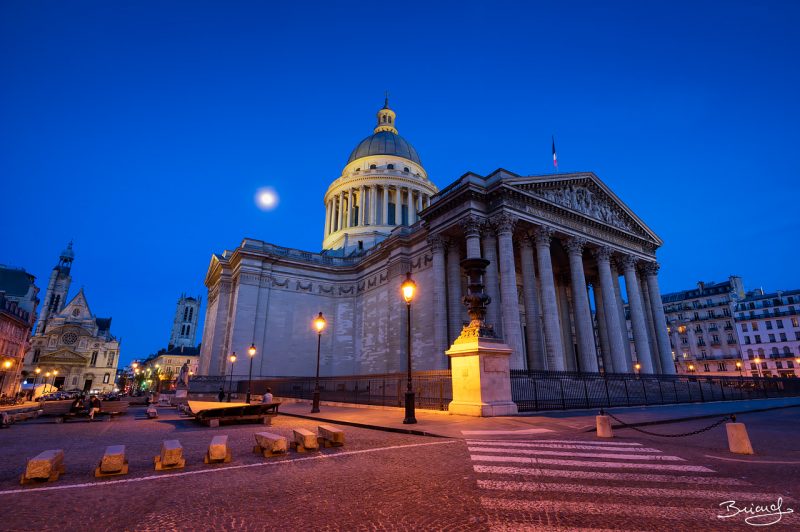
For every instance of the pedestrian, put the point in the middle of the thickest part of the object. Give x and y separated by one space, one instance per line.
221 394
77 405
94 408
267 398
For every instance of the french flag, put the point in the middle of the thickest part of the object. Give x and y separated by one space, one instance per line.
555 157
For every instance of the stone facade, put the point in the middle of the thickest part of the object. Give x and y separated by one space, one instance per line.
18 301
768 327
556 244
72 344
184 325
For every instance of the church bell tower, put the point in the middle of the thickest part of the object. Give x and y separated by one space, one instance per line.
56 296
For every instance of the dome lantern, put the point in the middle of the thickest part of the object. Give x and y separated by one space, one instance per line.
386 118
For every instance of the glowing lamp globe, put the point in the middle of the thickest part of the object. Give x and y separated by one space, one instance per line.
319 323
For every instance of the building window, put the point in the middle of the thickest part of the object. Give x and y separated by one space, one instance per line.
747 339
711 313
110 360
706 368
753 366
769 325
36 353
187 329
783 337
771 337
684 340
75 380
191 313
779 323
787 350
373 166
405 169
697 315
778 365
721 367
105 378
726 311
758 339
744 327
390 167
795 323
790 364
93 361
715 338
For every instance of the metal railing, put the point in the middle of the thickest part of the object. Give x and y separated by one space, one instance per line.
433 389
539 390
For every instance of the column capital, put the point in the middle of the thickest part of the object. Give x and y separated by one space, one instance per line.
602 253
629 262
471 225
487 230
528 240
650 268
542 235
574 245
438 243
504 223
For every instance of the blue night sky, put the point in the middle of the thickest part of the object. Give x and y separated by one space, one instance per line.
142 129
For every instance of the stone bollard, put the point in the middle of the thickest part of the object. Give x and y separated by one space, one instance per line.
738 440
604 426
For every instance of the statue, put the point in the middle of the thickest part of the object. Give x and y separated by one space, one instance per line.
183 376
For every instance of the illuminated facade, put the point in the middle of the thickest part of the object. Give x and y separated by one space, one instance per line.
18 301
768 326
557 245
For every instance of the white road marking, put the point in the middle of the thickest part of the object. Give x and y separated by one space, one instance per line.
548 487
758 462
219 469
525 527
496 443
588 464
614 443
707 515
505 432
541 452
598 475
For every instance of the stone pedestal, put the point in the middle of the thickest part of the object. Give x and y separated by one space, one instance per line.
481 377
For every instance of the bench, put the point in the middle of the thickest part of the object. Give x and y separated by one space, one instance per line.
304 441
218 451
212 414
113 462
330 436
268 444
171 456
152 413
45 466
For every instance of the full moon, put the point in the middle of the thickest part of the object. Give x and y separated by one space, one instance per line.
266 198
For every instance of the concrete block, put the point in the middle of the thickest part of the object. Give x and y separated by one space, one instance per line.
330 436
152 413
47 465
113 462
218 450
171 456
304 440
604 427
269 444
738 440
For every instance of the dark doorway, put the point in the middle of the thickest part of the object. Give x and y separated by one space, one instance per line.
87 385
59 382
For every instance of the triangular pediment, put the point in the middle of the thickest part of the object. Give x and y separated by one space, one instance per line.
78 308
62 356
586 195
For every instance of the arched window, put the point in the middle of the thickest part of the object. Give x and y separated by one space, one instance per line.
372 167
749 353
390 166
186 314
774 350
383 119
787 350
191 313
187 329
183 330
405 169
761 352
358 169
390 119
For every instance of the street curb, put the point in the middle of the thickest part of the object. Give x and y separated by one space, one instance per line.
692 418
372 427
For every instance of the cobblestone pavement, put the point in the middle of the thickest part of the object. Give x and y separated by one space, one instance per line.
388 481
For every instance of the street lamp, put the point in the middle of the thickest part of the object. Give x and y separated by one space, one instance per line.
739 367
408 288
55 374
757 360
319 325
252 352
232 358
691 368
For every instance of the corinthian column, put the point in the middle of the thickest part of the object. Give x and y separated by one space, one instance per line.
638 320
512 328
386 205
554 347
362 196
616 334
412 214
341 211
533 321
489 244
373 205
583 314
471 225
440 344
455 310
660 320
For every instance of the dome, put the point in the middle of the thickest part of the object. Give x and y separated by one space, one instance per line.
385 143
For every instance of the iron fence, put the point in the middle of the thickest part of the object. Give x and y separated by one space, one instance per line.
542 390
433 389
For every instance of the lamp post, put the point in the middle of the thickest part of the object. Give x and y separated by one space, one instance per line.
757 360
232 358
637 367
739 367
6 366
55 374
37 371
408 288
252 352
691 368
319 325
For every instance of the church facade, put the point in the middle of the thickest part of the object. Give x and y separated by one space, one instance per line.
557 246
71 348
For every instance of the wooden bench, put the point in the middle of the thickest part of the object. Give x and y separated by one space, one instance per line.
215 415
113 462
218 451
151 412
304 441
330 436
268 444
171 456
45 466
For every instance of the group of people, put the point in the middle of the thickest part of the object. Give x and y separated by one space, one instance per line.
90 405
265 399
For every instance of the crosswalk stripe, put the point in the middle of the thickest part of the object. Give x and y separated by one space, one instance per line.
541 452
548 487
506 432
588 464
598 475
707 515
585 442
547 445
526 527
